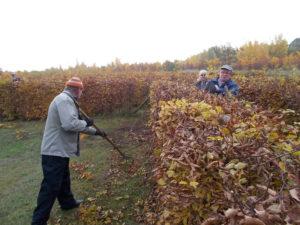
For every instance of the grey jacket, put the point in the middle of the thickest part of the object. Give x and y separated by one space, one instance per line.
61 134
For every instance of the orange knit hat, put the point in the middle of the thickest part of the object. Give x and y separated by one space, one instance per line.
74 82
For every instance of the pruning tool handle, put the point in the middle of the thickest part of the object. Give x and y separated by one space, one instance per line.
97 128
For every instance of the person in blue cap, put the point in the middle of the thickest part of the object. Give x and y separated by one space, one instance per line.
223 84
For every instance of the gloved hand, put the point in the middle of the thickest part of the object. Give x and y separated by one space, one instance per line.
101 133
89 122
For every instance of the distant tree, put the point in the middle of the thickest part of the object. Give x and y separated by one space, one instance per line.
292 60
228 55
178 65
168 66
253 55
212 57
279 47
225 54
275 62
294 46
196 61
213 63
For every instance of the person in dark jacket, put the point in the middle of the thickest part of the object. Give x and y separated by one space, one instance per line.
223 84
202 80
15 79
60 142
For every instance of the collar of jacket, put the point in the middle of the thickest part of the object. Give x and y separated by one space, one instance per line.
69 94
228 82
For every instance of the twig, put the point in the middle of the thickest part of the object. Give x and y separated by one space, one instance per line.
285 154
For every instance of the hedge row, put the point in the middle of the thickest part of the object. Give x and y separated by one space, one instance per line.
109 92
221 161
271 92
104 93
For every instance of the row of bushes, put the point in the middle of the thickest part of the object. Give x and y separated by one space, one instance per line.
30 100
271 92
221 161
109 92
103 93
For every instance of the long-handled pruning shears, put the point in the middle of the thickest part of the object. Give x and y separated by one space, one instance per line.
105 137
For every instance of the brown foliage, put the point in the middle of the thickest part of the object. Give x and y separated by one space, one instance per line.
221 160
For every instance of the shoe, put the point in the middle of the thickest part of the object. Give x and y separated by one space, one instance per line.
38 223
75 205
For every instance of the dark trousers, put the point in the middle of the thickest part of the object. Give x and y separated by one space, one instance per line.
56 184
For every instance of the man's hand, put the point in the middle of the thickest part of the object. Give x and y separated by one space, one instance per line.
101 133
210 87
89 122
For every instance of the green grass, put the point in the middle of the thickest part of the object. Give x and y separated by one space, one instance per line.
115 188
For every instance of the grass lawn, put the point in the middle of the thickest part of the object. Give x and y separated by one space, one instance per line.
112 189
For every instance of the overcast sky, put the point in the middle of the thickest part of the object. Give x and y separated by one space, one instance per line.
39 34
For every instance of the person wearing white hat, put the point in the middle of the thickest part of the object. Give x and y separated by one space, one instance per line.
202 80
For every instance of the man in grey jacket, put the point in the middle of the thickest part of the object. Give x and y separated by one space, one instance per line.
60 142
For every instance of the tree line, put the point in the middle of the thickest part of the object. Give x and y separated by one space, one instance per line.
251 55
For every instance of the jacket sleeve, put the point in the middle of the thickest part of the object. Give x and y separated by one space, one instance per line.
68 116
212 87
89 130
234 89
200 85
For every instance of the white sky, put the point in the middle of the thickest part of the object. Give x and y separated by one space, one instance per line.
39 34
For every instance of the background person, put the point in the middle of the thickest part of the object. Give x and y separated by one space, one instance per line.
223 83
202 80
